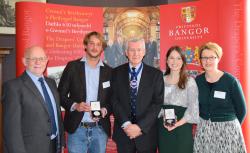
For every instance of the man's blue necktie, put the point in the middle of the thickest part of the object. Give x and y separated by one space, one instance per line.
133 94
49 106
133 91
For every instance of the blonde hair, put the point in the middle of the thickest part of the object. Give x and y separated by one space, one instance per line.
211 46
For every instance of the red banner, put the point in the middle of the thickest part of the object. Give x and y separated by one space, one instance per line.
60 30
184 25
192 24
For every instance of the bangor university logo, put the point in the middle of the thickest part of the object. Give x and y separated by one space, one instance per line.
188 14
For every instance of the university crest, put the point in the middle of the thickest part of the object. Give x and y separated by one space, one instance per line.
188 14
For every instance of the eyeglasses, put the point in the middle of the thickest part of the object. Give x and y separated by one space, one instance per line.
211 58
40 59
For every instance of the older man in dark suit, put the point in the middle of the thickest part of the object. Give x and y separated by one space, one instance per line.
32 117
138 91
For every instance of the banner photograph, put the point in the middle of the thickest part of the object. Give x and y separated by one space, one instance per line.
60 30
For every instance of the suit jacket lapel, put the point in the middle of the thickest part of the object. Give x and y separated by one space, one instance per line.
143 82
56 97
81 70
126 82
102 77
30 85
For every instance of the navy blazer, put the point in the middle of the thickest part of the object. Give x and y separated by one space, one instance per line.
148 104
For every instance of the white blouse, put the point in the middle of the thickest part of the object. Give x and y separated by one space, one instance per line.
187 98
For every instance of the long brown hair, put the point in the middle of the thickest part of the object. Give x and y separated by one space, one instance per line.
183 75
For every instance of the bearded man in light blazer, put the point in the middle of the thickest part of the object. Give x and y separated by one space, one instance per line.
28 123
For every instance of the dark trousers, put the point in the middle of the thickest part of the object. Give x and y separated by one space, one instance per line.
53 145
131 148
